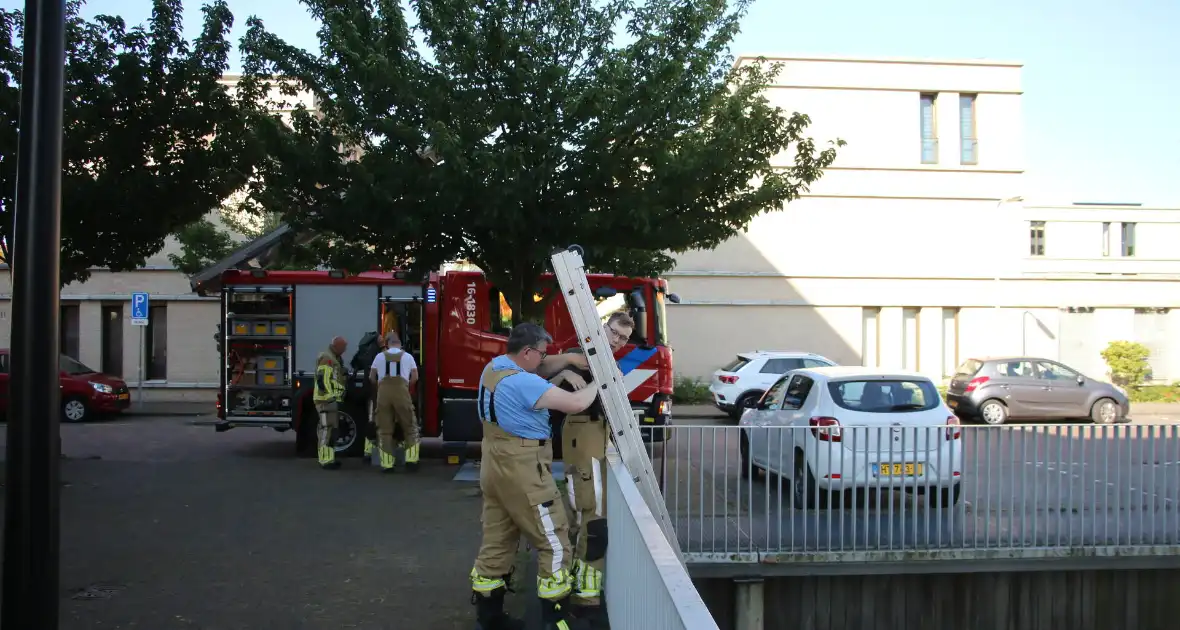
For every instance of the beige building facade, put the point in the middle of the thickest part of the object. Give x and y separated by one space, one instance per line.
917 249
176 355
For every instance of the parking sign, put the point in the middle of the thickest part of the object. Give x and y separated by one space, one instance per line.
139 308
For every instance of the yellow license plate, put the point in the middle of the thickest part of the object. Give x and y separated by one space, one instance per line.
899 470
452 459
649 420
124 396
952 403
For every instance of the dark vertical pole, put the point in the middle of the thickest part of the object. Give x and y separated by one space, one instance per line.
31 517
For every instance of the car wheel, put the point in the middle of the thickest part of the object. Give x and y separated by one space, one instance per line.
748 467
993 412
1104 411
744 402
804 490
944 497
73 409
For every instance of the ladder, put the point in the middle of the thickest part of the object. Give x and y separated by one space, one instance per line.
570 271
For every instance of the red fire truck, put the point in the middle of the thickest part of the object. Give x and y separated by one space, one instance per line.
275 324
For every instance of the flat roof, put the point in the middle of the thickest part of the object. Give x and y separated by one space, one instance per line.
896 60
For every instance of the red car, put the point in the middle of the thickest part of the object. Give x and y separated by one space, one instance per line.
85 393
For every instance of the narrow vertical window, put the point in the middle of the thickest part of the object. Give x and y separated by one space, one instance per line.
1037 238
968 143
929 130
1106 238
1128 239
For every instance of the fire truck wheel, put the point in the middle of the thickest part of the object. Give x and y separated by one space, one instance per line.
350 440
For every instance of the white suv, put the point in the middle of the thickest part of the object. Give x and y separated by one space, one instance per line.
742 382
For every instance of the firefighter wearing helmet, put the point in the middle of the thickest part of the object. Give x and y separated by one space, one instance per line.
330 381
520 495
395 373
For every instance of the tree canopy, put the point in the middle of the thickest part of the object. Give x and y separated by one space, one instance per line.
153 139
497 131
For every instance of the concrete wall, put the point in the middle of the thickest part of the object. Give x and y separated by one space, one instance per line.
1036 600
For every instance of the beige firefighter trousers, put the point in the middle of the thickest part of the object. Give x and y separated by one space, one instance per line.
328 424
583 447
395 408
521 497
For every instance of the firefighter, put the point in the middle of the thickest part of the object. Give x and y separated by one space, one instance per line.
583 445
520 495
395 374
330 380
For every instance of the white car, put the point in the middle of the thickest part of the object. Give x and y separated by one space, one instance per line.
740 384
848 428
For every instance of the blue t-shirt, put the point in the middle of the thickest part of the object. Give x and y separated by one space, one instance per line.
515 400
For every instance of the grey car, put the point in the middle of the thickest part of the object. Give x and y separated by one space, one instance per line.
996 389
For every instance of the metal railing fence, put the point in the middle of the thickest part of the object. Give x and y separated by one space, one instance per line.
822 491
647 587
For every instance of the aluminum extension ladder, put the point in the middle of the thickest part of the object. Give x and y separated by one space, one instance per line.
571 277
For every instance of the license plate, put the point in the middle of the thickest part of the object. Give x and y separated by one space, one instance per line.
952 403
898 470
124 396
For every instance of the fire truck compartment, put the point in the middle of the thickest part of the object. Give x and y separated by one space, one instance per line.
324 311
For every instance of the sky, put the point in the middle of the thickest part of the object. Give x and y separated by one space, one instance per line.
1101 79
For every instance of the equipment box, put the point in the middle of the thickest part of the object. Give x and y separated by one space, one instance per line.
260 328
271 363
240 327
280 328
271 377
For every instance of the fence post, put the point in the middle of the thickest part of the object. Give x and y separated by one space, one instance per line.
749 604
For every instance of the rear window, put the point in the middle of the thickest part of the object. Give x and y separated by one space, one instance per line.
969 367
892 396
735 365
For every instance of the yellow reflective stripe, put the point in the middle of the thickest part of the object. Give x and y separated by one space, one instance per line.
481 584
412 454
387 459
555 586
588 580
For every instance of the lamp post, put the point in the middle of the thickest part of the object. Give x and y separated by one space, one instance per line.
1024 331
31 517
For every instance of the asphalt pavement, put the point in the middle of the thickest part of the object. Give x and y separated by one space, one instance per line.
1023 486
167 524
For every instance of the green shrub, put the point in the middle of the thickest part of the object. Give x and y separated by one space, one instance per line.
1155 393
1128 362
690 391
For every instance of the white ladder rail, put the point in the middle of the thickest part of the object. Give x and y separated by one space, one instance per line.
569 269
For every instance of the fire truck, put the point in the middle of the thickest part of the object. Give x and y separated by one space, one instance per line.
274 324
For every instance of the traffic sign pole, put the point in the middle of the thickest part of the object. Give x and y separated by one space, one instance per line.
140 316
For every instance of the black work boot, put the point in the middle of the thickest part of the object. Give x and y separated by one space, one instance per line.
555 615
489 612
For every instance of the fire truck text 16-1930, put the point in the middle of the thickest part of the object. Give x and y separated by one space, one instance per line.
275 323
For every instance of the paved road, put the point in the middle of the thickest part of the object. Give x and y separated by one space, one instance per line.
170 525
1022 486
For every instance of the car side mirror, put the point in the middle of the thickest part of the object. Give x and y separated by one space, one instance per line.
1081 380
673 298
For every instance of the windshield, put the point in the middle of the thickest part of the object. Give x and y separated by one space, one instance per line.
969 367
71 366
622 301
893 396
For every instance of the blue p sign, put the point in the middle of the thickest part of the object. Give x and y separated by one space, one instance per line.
139 308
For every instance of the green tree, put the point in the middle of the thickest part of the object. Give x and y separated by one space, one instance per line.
1128 362
520 127
153 139
201 244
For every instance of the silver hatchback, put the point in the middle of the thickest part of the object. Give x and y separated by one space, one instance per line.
997 389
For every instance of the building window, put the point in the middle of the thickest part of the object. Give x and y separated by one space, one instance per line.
1106 238
1036 238
69 330
929 129
1128 239
156 342
870 344
968 144
950 341
910 345
112 339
